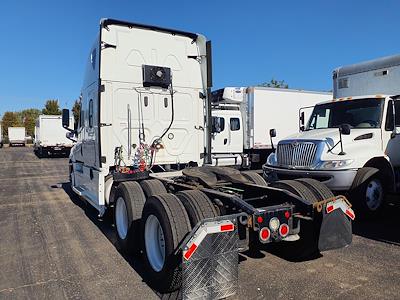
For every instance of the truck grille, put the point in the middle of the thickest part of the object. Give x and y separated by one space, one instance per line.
296 154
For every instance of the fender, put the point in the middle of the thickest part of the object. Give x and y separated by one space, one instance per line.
362 175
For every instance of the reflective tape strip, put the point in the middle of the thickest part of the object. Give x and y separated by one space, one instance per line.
341 204
201 233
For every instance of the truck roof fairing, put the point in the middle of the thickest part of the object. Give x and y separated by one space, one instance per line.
380 63
106 22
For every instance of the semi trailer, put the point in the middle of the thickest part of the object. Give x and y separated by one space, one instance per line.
243 116
16 136
143 152
50 136
351 143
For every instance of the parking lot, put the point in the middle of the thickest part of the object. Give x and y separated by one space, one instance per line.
52 245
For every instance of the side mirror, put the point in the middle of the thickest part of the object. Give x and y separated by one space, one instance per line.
65 118
345 129
272 133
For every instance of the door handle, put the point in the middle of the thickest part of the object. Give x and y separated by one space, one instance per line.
225 141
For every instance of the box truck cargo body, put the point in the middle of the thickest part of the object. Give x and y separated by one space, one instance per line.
352 143
247 115
16 136
50 136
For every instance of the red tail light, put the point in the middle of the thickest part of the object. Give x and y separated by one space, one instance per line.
287 214
265 234
260 219
284 230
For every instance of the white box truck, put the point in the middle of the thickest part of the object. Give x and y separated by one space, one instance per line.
143 152
351 143
50 136
243 117
16 136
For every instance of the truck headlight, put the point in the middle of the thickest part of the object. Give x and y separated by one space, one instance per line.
335 164
271 160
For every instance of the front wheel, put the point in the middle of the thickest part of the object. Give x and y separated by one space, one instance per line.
368 197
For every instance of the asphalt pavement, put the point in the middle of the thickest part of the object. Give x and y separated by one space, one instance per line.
53 246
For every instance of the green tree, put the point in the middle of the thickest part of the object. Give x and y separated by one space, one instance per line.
76 110
29 117
51 108
275 84
10 119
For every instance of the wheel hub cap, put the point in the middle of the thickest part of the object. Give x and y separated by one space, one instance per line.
374 194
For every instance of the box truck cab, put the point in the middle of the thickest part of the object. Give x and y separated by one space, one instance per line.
244 115
351 143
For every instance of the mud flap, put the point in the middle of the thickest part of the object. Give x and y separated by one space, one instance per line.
210 260
336 229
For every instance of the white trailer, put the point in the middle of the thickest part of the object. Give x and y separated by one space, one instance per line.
351 143
16 136
244 117
143 151
50 136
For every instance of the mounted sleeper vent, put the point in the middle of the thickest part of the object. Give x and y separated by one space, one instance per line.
156 76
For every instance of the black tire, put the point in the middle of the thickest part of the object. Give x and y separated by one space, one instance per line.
198 206
255 178
307 246
296 188
175 224
153 187
321 191
358 193
133 197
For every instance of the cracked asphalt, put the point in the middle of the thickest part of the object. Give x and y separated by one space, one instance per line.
53 246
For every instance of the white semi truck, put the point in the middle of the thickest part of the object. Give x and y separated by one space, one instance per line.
16 136
143 152
351 143
50 136
243 116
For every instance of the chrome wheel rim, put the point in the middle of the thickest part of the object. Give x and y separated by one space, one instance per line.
121 218
155 243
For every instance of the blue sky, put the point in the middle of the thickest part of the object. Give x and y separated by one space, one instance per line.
44 44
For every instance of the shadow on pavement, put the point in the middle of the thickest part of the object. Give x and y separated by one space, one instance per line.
106 225
385 227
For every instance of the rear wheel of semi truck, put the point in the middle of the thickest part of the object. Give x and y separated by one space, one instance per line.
152 187
320 190
164 225
307 245
198 206
128 206
368 195
255 178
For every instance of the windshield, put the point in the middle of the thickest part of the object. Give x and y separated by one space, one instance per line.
362 113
